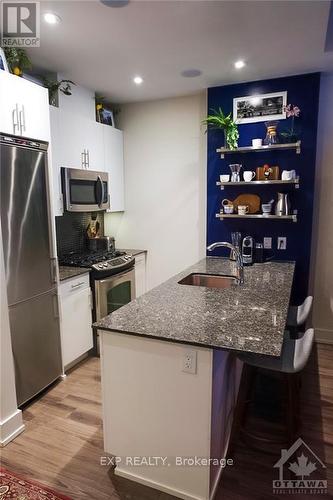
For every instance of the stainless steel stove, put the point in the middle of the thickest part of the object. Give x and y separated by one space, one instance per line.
101 263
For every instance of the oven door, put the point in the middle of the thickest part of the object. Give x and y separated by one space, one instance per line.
85 190
114 292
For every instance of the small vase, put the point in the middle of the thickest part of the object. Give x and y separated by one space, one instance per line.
271 133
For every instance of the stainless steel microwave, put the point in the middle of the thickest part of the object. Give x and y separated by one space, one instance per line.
85 190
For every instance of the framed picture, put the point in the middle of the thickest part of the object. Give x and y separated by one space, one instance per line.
106 116
260 108
3 61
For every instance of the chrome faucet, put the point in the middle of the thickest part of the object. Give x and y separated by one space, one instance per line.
237 253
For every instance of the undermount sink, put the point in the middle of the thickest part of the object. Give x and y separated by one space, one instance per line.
208 280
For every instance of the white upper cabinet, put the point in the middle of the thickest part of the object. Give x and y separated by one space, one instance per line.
114 165
94 145
24 108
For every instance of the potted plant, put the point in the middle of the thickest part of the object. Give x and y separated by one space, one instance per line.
218 120
291 134
17 60
54 86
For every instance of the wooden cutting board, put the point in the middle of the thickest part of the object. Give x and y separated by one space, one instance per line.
252 200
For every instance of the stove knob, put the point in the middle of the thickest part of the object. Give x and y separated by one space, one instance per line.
100 266
105 264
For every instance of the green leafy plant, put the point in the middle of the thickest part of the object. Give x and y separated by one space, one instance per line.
17 60
53 86
218 120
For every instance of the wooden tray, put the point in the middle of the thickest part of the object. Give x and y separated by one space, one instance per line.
252 200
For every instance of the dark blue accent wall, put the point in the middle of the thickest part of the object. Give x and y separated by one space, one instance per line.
303 90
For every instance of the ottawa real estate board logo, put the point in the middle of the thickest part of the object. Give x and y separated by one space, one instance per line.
20 24
300 471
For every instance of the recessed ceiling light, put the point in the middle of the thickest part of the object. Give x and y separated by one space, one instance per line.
191 73
51 18
138 80
239 64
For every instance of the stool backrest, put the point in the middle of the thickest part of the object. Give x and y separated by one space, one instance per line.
304 310
303 347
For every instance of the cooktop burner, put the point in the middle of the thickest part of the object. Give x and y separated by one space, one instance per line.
88 259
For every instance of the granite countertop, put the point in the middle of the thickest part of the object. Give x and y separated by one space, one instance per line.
66 272
248 318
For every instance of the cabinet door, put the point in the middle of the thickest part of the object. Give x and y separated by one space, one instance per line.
34 114
114 165
71 139
76 321
9 103
140 274
24 108
94 145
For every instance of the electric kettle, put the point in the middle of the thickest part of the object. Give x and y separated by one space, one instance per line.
282 206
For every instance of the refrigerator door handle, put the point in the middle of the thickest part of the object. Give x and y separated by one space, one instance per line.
54 270
56 311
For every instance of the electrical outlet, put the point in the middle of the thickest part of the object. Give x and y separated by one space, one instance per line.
190 362
282 243
268 243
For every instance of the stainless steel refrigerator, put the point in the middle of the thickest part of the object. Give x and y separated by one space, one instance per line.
29 265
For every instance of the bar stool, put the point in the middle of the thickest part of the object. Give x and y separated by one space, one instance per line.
294 356
297 315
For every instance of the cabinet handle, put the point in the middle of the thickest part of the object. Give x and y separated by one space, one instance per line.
78 284
15 118
82 160
88 160
22 120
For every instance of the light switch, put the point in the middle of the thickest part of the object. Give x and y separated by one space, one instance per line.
268 243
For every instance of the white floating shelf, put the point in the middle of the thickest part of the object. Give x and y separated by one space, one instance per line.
251 149
292 218
294 182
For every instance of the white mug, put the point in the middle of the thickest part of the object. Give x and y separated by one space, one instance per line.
256 143
248 175
243 209
224 178
228 209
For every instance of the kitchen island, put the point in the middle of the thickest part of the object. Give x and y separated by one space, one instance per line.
170 376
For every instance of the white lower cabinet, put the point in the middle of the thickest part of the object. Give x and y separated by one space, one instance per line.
76 319
140 274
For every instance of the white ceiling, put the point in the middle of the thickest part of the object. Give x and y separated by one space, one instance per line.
103 48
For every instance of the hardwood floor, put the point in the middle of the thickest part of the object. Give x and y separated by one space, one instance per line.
62 444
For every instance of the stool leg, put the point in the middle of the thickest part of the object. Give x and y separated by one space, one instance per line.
244 396
292 413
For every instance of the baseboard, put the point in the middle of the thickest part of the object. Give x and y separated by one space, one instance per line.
152 484
10 428
324 336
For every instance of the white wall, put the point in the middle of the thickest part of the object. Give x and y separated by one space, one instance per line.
10 417
165 184
322 248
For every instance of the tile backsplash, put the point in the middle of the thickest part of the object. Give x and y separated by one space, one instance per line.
71 231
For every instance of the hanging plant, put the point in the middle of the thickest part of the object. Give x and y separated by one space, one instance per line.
54 86
218 120
17 60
